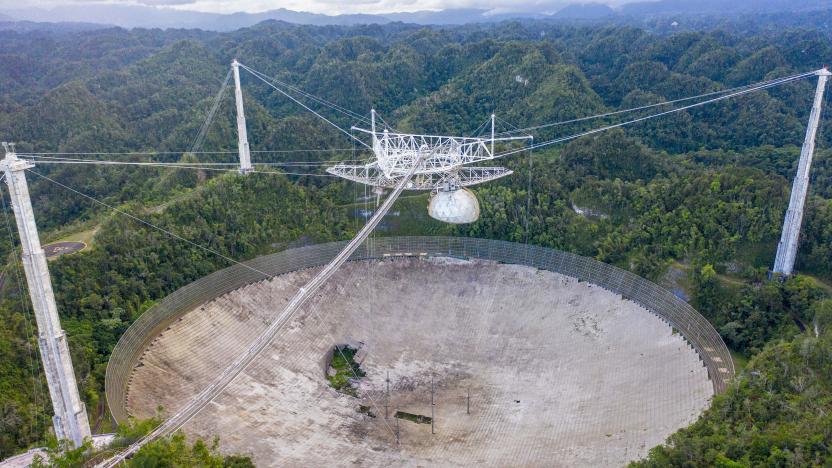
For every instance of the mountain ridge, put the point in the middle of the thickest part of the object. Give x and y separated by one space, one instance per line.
143 16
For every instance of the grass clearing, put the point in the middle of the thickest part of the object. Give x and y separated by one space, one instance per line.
82 236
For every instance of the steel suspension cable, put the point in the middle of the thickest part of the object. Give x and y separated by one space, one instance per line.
775 81
270 81
159 153
511 125
296 101
317 99
46 159
384 122
479 129
203 130
652 116
147 223
163 165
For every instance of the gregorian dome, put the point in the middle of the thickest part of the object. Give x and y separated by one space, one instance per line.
457 206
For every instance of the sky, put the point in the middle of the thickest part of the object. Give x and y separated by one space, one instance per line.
331 7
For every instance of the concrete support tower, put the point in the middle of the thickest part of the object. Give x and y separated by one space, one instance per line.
787 248
70 418
242 135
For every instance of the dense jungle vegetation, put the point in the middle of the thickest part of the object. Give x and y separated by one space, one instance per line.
694 201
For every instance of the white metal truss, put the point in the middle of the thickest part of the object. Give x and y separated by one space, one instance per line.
371 174
444 160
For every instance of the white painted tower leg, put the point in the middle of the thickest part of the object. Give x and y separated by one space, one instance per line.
70 418
493 118
242 134
787 248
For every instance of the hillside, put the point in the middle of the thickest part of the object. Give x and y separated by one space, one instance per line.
694 201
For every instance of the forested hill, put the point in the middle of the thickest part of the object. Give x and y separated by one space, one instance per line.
694 200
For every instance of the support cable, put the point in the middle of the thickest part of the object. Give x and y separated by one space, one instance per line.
177 166
203 130
159 153
265 80
516 129
384 122
652 116
149 224
270 82
755 86
317 99
39 159
477 131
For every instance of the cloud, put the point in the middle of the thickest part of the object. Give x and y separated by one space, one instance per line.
330 7
165 2
16 4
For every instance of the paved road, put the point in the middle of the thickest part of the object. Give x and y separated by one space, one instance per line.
60 248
